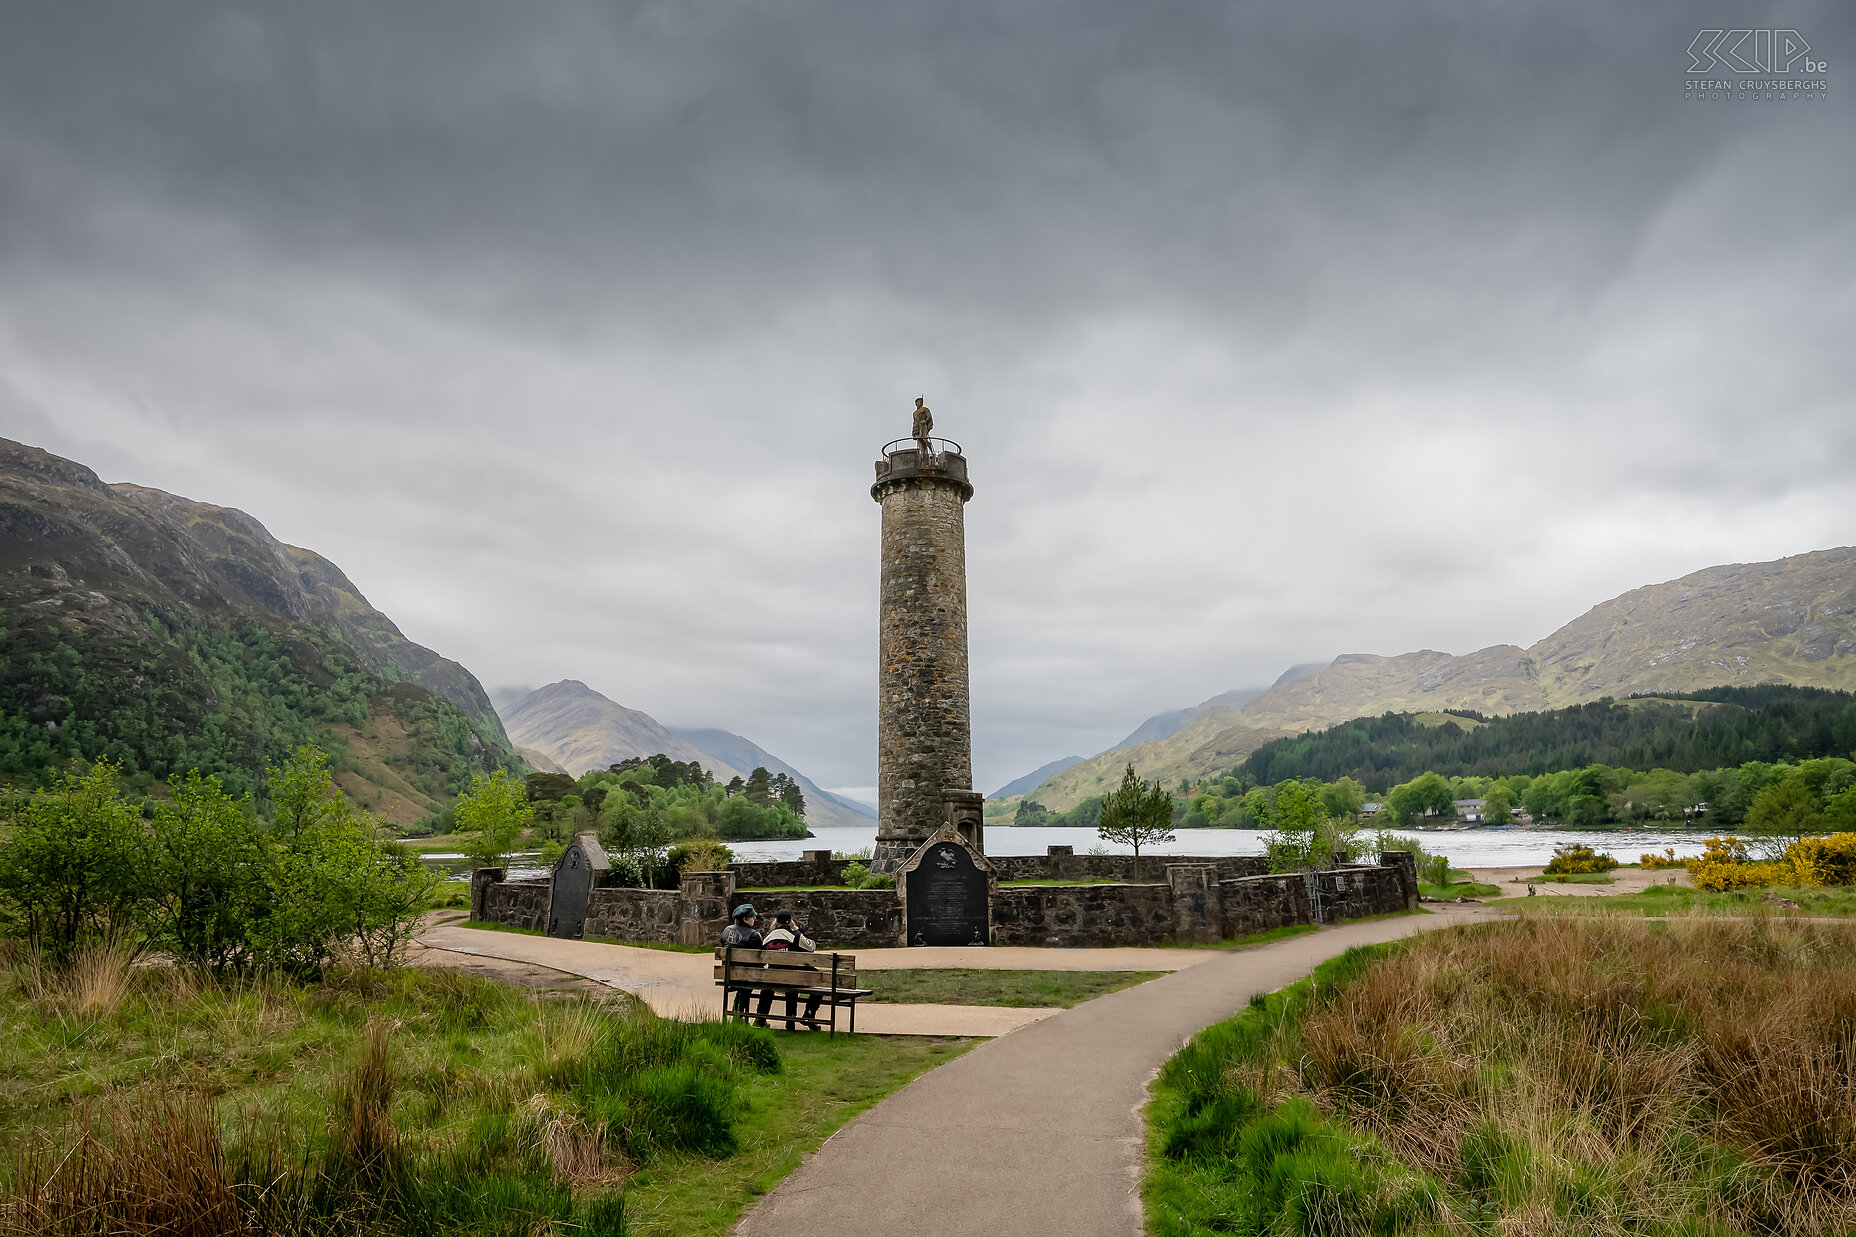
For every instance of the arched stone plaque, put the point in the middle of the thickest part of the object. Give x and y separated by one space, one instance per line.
946 889
574 875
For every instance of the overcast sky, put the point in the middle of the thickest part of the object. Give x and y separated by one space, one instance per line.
1272 331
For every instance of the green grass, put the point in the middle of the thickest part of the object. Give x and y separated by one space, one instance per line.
1220 1160
1088 880
1459 889
1018 989
1576 878
486 926
1661 900
827 1082
1543 1075
483 1085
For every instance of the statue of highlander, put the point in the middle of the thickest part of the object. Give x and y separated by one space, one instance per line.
924 426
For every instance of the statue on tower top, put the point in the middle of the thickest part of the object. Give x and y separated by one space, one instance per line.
924 421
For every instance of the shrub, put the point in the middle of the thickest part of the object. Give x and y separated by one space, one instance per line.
1829 860
857 876
1725 865
1668 859
624 873
1576 857
74 868
702 855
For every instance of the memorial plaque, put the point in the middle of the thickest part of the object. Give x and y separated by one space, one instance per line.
947 896
573 885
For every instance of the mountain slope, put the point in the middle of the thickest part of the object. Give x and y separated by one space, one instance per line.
1035 778
170 634
1213 741
580 729
1498 679
1159 726
1789 621
822 807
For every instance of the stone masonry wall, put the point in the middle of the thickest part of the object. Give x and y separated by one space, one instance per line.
635 914
1192 905
520 904
924 738
1081 916
1124 869
1259 903
841 919
1356 892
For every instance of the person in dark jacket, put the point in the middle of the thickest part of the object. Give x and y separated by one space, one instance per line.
786 935
742 934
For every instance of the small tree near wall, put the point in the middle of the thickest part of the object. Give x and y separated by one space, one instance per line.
1138 813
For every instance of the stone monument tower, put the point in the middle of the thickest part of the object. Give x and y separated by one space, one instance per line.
924 738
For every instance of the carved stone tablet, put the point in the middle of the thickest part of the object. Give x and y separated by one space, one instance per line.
947 897
573 886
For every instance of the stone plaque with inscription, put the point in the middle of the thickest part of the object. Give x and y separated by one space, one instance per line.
574 874
947 896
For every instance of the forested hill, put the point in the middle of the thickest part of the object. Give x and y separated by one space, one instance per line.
169 634
1707 729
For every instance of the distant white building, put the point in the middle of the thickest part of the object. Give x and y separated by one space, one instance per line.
1469 810
1370 810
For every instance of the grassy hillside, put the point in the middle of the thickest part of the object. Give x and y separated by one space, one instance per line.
170 635
1717 728
1789 621
1211 743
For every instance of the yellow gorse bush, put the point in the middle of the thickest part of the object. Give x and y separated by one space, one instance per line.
1829 860
1724 864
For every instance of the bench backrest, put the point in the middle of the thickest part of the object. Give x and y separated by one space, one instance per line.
786 968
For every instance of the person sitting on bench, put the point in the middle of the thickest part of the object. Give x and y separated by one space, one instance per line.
742 934
786 935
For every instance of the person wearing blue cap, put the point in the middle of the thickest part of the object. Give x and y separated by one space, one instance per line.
742 934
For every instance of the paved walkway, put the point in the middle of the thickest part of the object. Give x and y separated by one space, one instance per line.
1038 1132
680 984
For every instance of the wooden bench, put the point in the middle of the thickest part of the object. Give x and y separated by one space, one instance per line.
788 973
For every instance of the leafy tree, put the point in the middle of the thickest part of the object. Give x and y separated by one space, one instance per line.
735 786
787 791
759 788
639 833
210 874
1426 792
74 867
1138 813
1840 811
1304 834
335 888
1497 805
1344 797
492 817
1783 812
302 794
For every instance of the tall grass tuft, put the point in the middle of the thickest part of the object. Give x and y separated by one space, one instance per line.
100 976
1547 1075
364 1143
154 1167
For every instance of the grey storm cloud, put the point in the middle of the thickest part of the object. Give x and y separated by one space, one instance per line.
1273 331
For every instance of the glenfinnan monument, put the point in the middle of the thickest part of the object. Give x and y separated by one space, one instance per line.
924 753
